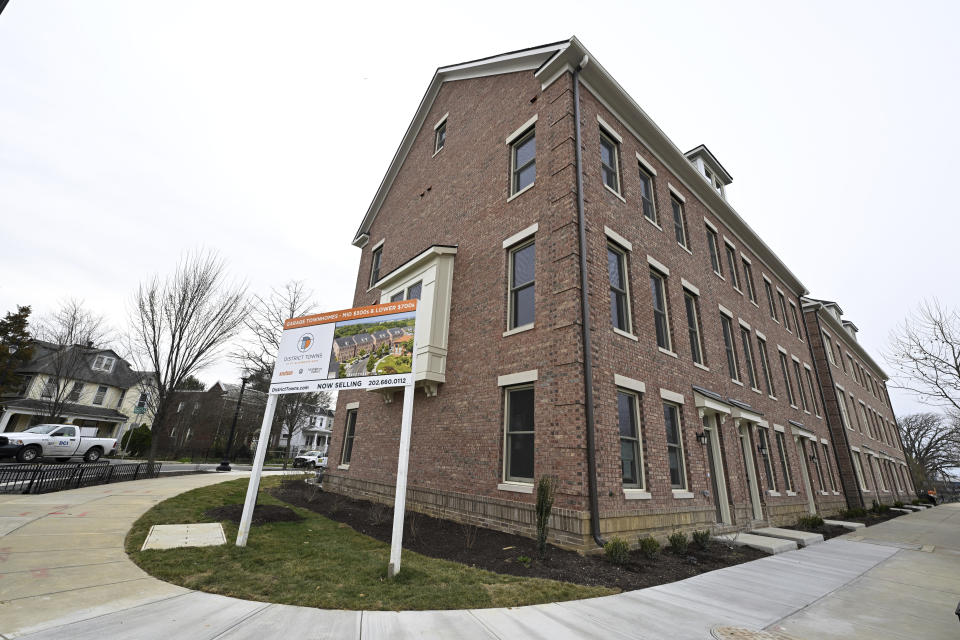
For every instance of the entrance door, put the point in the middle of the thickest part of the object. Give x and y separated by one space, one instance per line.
749 471
805 472
718 482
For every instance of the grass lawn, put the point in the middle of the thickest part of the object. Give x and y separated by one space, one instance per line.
321 563
400 364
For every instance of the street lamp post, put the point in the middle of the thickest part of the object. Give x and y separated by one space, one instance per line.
225 464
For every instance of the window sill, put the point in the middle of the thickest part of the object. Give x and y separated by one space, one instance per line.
791 493
653 223
526 327
522 191
754 303
636 494
685 248
824 493
343 467
836 493
737 289
771 397
700 366
436 152
607 187
755 390
719 275
682 495
775 494
625 334
736 382
865 490
667 352
515 487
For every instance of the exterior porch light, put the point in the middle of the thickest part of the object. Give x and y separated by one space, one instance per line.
702 438
762 449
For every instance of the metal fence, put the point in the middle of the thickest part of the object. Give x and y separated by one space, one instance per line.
44 478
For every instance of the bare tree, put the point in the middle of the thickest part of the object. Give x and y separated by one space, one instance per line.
925 350
180 324
72 335
932 444
265 327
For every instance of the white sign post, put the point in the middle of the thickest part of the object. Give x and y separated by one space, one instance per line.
311 359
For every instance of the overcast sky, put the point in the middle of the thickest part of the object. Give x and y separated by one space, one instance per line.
133 132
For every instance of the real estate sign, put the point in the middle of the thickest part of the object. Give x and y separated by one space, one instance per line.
358 348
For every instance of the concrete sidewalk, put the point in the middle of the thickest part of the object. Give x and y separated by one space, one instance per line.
65 575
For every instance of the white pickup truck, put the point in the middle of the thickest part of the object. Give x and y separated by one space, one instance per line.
58 441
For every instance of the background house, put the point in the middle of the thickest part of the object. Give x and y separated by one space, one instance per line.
81 385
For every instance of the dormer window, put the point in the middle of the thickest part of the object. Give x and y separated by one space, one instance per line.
103 363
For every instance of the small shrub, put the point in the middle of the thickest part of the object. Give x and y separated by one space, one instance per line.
879 508
377 514
525 560
810 522
701 539
469 535
856 512
546 488
649 546
915 502
898 504
616 550
678 543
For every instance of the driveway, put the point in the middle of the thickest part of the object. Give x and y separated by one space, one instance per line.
65 575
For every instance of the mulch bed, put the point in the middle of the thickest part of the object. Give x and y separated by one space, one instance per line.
872 518
510 554
826 530
262 514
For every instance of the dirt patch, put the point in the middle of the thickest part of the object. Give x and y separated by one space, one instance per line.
511 554
872 518
826 530
262 514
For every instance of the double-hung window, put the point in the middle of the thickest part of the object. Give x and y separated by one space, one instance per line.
523 160
439 136
49 389
826 457
803 394
693 327
619 295
813 390
714 248
679 225
796 319
732 266
730 347
858 469
769 291
786 379
75 392
348 434
671 418
748 357
765 367
784 461
100 395
646 196
828 347
631 462
609 161
764 441
661 323
522 285
519 445
375 265
748 280
783 309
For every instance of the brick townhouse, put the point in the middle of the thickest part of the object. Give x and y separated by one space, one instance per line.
870 455
678 392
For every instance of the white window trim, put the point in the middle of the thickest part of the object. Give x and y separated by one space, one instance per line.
625 334
520 236
671 396
659 266
352 405
610 189
610 131
378 245
629 383
681 494
760 335
636 494
701 366
513 379
522 191
441 121
780 428
520 329
743 323
712 226
725 311
522 130
746 259
686 284
676 193
618 239
667 352
646 165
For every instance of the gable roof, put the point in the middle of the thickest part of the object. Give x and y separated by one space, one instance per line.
549 62
45 356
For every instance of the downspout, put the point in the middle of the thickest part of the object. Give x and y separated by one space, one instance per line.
585 318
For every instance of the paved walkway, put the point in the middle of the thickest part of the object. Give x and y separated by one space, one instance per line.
65 575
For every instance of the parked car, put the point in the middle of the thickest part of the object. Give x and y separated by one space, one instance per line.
311 459
58 441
